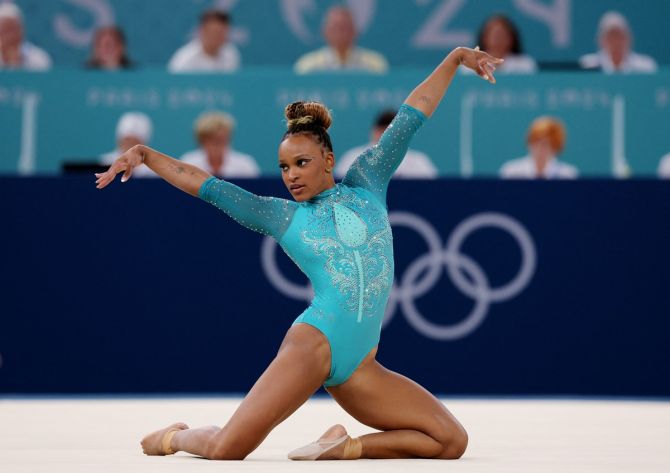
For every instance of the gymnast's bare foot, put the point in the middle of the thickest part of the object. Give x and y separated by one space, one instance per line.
152 444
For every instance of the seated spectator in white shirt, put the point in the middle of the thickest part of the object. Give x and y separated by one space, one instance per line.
415 165
15 53
211 51
499 37
615 55
341 52
133 128
546 140
214 132
664 167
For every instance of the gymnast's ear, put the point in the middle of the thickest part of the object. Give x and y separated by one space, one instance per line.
330 160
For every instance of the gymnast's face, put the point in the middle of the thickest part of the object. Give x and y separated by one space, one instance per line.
306 166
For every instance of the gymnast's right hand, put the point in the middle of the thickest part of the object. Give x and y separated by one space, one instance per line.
124 163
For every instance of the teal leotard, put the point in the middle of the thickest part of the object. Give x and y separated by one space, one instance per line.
341 239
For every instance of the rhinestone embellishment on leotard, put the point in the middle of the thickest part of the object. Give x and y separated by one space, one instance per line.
356 253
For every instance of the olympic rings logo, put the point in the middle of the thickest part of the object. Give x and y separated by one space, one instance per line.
424 272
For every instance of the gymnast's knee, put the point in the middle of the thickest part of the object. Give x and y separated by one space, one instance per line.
454 444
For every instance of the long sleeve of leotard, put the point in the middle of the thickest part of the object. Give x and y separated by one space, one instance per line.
373 169
266 215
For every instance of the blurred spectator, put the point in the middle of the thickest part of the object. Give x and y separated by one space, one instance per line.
15 53
109 50
214 132
133 128
499 37
210 51
546 140
415 165
615 55
664 167
341 53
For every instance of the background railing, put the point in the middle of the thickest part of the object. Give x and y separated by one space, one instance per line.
616 125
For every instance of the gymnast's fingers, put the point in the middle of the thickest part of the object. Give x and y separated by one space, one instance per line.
481 72
491 59
104 182
108 176
489 71
127 174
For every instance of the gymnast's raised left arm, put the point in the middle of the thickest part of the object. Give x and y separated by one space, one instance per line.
373 169
427 95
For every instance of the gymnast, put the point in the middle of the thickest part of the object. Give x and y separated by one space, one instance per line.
339 236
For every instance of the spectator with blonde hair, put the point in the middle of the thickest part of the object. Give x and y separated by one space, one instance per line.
214 132
546 140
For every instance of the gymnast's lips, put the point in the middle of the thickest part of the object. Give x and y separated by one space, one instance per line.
296 187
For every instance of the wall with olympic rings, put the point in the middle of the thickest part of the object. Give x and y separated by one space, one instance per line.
507 288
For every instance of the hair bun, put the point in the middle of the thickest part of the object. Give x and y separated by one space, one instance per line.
307 113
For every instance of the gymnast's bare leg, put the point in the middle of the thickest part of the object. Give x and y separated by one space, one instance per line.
413 423
299 369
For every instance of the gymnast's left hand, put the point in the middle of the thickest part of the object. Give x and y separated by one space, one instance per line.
124 163
479 61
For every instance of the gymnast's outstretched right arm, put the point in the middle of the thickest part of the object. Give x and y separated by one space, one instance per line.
186 177
266 215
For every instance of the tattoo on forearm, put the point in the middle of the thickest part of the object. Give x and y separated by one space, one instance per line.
177 169
425 99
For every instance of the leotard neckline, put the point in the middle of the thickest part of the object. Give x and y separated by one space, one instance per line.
325 194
